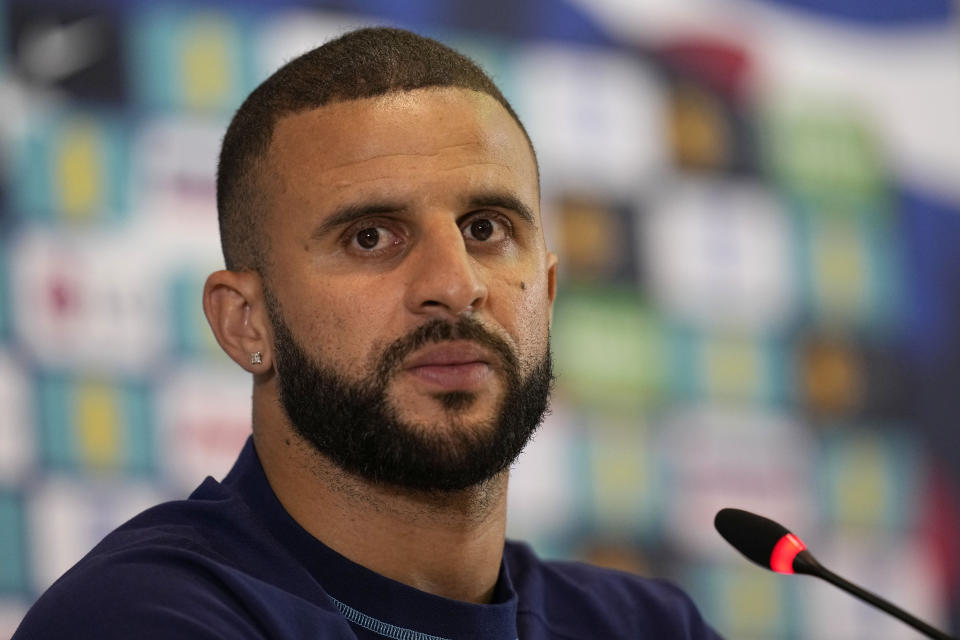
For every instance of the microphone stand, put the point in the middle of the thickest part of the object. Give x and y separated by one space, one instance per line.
805 563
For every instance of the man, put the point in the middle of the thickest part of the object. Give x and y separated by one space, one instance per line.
389 288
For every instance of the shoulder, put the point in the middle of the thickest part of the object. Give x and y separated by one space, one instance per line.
168 572
572 597
149 585
192 569
198 569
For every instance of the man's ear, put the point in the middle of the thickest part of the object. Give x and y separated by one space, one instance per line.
551 280
234 305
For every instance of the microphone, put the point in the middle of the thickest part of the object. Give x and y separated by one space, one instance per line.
772 546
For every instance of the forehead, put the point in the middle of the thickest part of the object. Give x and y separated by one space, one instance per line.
402 138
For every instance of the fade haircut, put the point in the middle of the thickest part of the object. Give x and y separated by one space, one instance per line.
360 64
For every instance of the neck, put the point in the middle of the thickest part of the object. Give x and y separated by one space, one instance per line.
445 543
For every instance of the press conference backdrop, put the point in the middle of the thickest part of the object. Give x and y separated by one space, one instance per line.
758 219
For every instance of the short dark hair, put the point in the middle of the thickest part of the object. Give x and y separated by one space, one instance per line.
360 64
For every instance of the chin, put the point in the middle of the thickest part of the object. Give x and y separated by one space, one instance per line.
452 409
415 404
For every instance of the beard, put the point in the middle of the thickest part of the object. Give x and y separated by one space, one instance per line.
354 425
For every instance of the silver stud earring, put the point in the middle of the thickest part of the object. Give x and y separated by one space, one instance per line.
256 358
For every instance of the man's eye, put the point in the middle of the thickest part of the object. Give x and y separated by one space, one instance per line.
485 230
372 238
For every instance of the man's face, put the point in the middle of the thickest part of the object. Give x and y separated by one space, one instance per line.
408 283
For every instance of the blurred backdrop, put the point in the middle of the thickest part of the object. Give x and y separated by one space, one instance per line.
757 210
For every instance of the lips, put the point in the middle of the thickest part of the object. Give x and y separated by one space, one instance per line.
457 365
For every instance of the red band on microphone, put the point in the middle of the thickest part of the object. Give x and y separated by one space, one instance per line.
786 549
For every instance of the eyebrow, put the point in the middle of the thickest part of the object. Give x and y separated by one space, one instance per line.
503 201
348 213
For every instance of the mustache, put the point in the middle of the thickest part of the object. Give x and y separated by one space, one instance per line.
438 330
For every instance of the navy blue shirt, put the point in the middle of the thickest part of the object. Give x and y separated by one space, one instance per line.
230 562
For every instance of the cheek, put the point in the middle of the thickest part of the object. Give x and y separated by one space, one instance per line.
530 308
340 330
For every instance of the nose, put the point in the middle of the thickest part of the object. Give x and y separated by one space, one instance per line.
444 279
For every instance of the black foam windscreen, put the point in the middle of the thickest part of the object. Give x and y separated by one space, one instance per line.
752 535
